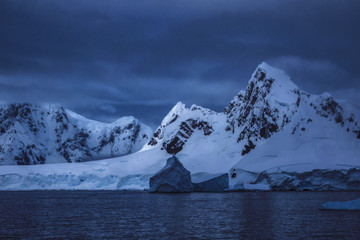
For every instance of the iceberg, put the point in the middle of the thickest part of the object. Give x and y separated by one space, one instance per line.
349 205
172 178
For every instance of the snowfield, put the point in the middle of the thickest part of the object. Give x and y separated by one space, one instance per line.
130 172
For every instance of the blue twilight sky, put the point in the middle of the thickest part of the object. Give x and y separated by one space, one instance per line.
110 58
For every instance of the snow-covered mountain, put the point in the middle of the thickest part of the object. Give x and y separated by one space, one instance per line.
197 136
37 134
271 136
272 125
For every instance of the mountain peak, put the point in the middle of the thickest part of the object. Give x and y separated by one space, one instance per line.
264 65
178 108
278 78
267 105
175 111
267 86
48 133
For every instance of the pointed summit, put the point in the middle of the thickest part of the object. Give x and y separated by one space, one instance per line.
270 99
273 81
174 113
178 107
272 72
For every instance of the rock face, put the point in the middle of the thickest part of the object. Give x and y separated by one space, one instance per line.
272 103
264 108
38 134
180 124
217 183
173 178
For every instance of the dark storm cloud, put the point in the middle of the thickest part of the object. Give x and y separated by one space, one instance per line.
111 58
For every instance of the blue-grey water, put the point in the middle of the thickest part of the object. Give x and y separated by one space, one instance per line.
141 215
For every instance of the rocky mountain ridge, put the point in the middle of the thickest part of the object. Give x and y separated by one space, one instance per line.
271 126
38 134
267 105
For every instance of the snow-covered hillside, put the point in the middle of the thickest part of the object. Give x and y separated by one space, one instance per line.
271 136
294 131
271 126
197 136
37 134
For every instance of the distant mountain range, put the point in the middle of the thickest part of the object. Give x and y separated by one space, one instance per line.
271 136
37 134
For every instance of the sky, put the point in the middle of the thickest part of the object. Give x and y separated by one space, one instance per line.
112 58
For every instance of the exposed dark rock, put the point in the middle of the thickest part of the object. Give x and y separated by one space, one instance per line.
174 146
152 142
248 147
186 129
257 124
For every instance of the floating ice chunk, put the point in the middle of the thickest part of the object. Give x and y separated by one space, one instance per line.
172 178
349 205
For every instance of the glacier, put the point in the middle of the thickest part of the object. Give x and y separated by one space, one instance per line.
130 172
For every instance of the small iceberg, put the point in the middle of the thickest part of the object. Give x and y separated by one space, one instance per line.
172 178
349 205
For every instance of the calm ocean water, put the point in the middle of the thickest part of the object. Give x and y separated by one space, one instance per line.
141 215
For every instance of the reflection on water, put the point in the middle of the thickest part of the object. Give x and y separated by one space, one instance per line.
113 214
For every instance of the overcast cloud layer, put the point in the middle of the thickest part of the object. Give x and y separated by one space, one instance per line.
107 59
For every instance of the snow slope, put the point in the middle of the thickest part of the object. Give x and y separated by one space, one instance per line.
37 134
132 171
272 126
312 132
197 136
